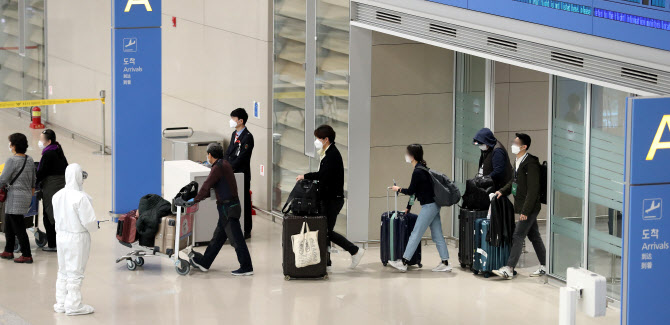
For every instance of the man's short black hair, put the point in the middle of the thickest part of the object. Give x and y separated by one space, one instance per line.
241 114
216 150
525 139
19 141
325 131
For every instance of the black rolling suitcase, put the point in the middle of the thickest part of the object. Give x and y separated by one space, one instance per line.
396 227
466 232
291 226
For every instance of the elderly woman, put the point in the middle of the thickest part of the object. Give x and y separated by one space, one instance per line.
51 179
18 178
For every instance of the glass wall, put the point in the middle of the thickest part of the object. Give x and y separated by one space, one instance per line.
608 108
330 24
22 51
470 117
568 153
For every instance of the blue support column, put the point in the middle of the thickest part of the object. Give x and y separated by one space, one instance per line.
646 237
136 109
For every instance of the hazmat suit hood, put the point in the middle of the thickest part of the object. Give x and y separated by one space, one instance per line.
486 137
74 177
73 209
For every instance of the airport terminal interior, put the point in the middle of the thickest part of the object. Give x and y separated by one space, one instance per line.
149 96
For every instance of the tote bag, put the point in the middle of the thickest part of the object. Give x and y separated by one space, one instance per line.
306 247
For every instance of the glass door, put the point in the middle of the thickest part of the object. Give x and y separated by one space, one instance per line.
469 117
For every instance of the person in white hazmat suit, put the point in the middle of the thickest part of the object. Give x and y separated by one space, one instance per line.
75 218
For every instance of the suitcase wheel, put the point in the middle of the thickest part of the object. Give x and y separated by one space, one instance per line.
325 277
131 265
515 273
184 267
287 278
40 238
487 275
475 272
462 265
385 264
420 265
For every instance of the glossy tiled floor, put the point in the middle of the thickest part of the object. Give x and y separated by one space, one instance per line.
155 294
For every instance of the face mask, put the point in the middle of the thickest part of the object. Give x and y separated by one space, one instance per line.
408 159
233 124
318 144
516 149
483 147
10 148
40 144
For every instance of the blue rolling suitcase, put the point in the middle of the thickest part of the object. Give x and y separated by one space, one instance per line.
396 227
487 258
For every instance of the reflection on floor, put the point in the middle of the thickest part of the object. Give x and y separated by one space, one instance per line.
155 294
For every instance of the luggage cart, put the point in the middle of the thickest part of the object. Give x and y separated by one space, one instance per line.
184 229
32 225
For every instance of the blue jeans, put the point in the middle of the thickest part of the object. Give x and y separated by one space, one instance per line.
428 217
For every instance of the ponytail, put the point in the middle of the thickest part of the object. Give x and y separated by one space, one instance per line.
416 151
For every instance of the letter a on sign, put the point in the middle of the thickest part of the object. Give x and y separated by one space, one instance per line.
138 2
657 144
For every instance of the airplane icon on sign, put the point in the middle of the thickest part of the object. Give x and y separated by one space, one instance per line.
652 209
130 44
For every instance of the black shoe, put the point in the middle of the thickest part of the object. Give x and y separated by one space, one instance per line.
192 256
240 272
50 249
247 236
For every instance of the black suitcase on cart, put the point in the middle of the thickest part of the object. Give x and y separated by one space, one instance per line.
291 226
466 233
394 235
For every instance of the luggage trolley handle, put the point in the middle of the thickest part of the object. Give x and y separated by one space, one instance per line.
388 193
178 128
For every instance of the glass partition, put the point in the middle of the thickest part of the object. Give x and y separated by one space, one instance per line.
22 52
568 156
470 117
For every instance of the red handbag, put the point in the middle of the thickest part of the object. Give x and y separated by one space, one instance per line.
5 189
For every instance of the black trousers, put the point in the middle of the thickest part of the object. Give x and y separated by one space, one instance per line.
247 205
528 228
332 208
227 228
51 231
15 227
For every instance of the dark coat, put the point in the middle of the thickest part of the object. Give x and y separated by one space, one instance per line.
527 198
494 161
52 163
239 153
502 222
330 175
152 208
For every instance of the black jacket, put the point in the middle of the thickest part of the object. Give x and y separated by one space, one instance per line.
502 222
239 153
494 161
152 208
53 163
527 198
421 185
330 175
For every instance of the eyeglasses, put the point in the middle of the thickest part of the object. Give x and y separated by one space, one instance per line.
84 175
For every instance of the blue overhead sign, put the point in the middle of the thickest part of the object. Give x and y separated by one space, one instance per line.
646 241
136 13
136 113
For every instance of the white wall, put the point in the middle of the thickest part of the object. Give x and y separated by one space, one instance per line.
216 59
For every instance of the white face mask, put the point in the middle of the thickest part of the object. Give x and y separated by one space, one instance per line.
10 148
408 159
483 147
318 144
516 149
233 124
40 144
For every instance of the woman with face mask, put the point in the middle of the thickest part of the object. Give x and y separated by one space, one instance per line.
331 189
494 160
51 179
422 187
18 178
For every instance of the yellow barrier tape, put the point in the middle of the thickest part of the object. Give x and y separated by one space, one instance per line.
319 92
2 167
42 102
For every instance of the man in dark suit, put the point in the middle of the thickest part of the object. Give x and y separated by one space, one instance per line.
239 156
525 186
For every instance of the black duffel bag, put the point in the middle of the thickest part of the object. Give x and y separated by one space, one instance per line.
303 200
476 196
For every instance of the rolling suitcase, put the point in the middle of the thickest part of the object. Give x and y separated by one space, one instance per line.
487 257
164 242
126 231
291 226
396 227
466 231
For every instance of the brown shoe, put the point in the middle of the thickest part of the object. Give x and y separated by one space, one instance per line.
24 259
7 255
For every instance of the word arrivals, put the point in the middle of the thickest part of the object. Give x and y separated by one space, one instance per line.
132 69
655 246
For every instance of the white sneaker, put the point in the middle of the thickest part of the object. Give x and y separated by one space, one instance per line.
356 258
398 265
540 271
442 268
505 272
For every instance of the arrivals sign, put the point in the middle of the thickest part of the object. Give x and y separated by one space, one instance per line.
646 242
136 91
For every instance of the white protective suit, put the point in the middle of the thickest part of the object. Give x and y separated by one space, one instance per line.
75 218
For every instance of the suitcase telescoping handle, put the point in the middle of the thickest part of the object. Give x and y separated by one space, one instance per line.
388 194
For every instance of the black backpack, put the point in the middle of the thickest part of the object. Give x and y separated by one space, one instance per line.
303 200
543 183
